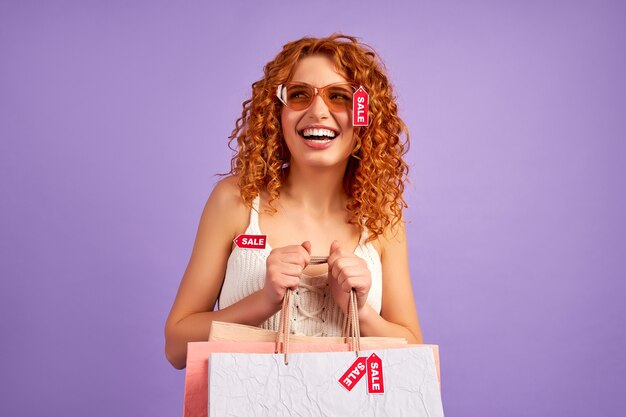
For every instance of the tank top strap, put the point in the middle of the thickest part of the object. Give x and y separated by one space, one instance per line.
364 233
254 214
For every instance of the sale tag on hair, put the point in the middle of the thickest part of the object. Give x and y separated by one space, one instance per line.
360 107
251 241
375 383
353 375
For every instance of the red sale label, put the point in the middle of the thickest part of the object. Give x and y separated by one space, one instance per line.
353 375
360 107
251 241
375 383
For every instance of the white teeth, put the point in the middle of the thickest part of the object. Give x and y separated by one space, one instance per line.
318 132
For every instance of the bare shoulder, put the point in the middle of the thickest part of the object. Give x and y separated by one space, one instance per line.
226 203
393 237
226 192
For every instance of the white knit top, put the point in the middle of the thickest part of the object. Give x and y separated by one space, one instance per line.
313 310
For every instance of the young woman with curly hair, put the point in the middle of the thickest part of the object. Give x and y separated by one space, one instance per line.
315 185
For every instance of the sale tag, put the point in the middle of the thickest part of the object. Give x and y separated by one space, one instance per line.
251 241
353 375
375 383
360 107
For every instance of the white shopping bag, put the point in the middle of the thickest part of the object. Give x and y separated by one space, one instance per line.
392 382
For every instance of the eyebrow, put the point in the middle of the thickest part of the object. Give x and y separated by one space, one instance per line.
335 82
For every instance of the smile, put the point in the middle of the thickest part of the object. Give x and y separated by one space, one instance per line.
309 133
318 135
316 141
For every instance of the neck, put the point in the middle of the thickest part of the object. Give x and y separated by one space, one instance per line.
315 191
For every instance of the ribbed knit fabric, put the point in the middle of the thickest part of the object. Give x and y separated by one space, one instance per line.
314 311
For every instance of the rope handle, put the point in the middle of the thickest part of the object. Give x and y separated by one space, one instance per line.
351 329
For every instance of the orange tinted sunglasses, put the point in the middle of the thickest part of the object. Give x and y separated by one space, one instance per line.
299 96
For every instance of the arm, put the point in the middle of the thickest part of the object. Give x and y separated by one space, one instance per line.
398 316
252 310
192 312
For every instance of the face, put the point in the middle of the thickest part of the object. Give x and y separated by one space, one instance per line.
318 72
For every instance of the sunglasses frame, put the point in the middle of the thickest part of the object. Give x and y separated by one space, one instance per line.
281 93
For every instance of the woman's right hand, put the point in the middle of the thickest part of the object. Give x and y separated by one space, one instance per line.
284 268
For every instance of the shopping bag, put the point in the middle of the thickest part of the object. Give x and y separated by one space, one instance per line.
399 382
233 338
198 353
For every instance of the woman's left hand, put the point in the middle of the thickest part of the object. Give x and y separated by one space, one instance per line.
345 272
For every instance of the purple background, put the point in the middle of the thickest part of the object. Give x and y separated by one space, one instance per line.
114 119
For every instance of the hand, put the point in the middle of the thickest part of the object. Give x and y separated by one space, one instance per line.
345 272
284 268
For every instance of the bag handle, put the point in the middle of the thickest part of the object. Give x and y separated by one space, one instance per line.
351 329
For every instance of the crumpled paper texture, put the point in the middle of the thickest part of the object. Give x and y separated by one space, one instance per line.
243 384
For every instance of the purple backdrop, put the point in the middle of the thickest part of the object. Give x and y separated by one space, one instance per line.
114 118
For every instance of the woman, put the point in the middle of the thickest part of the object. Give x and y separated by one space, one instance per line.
314 184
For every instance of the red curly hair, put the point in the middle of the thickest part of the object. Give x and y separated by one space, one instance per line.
376 172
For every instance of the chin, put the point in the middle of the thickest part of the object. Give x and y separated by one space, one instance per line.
321 161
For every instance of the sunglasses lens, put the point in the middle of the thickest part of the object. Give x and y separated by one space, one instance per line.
299 96
339 98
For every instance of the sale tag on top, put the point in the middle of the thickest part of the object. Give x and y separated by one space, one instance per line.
353 375
360 107
375 383
251 241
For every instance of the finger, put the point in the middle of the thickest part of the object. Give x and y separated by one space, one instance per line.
345 286
286 282
342 277
289 281
331 277
291 269
350 272
334 252
301 250
305 249
357 276
291 248
296 258
360 283
350 261
336 269
340 264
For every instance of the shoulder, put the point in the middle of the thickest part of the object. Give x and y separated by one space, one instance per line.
392 235
226 191
226 204
393 238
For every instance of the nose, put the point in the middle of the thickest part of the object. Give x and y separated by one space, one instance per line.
319 107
